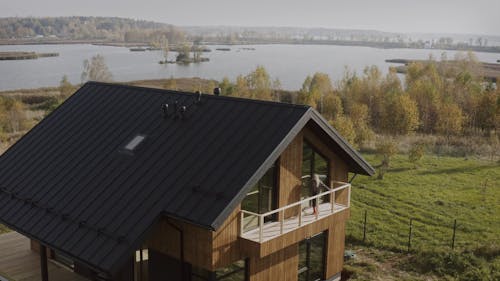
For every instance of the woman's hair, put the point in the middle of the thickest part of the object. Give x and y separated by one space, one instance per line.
316 178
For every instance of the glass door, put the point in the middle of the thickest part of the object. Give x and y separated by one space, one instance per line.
313 163
312 258
261 199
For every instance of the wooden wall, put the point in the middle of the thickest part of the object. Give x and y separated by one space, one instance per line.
226 244
335 249
290 173
279 266
203 248
197 242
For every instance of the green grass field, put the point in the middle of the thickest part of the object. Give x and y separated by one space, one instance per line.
434 194
440 190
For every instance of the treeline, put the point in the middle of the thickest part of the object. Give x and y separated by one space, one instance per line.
435 98
88 28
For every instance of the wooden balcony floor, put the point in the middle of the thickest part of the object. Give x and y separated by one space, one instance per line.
19 263
273 229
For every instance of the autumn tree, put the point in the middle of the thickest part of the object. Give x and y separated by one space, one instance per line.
65 87
227 87
13 115
259 84
96 70
386 149
360 119
449 120
401 116
345 127
425 87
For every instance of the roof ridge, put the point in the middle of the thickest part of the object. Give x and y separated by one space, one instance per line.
206 95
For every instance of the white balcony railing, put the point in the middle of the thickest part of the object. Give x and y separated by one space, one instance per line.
258 228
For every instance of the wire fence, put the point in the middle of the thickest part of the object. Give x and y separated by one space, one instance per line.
405 234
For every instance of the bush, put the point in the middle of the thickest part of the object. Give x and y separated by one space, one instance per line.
416 153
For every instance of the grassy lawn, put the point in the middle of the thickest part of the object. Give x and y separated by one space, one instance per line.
434 194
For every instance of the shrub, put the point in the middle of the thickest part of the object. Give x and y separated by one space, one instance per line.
416 153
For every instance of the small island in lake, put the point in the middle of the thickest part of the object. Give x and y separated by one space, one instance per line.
25 55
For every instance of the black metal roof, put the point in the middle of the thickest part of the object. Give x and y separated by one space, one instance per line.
71 184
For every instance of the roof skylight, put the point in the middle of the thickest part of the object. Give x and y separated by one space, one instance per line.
132 145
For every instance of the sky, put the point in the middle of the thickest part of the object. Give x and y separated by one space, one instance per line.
406 16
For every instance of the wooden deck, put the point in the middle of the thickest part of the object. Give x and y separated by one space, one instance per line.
19 263
273 229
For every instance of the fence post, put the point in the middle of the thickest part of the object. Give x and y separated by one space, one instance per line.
454 231
409 236
364 228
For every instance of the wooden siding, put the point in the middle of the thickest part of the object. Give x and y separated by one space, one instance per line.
197 242
202 248
290 173
226 245
335 249
279 266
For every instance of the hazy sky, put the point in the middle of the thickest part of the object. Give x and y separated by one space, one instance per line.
437 16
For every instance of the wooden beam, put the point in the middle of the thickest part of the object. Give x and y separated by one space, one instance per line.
43 263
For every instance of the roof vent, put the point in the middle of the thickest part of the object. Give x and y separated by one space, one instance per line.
217 91
164 108
132 145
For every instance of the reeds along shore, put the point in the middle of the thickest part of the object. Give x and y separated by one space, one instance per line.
25 55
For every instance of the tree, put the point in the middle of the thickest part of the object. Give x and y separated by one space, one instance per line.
15 116
65 87
96 70
386 149
416 153
227 87
183 54
450 120
260 84
164 47
345 127
401 115
360 118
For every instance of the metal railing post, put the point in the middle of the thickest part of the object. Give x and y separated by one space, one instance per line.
317 206
349 196
242 217
300 215
332 200
282 213
261 226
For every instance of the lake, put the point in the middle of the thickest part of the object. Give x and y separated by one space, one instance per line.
289 63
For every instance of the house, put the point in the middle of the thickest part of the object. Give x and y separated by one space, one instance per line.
130 183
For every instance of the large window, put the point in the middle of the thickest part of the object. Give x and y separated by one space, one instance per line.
261 198
313 163
312 258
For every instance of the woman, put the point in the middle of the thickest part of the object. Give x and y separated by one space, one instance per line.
316 185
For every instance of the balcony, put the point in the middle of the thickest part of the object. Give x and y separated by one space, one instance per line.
264 227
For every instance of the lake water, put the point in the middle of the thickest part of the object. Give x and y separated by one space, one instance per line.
289 63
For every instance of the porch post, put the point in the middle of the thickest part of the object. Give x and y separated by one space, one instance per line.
43 263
